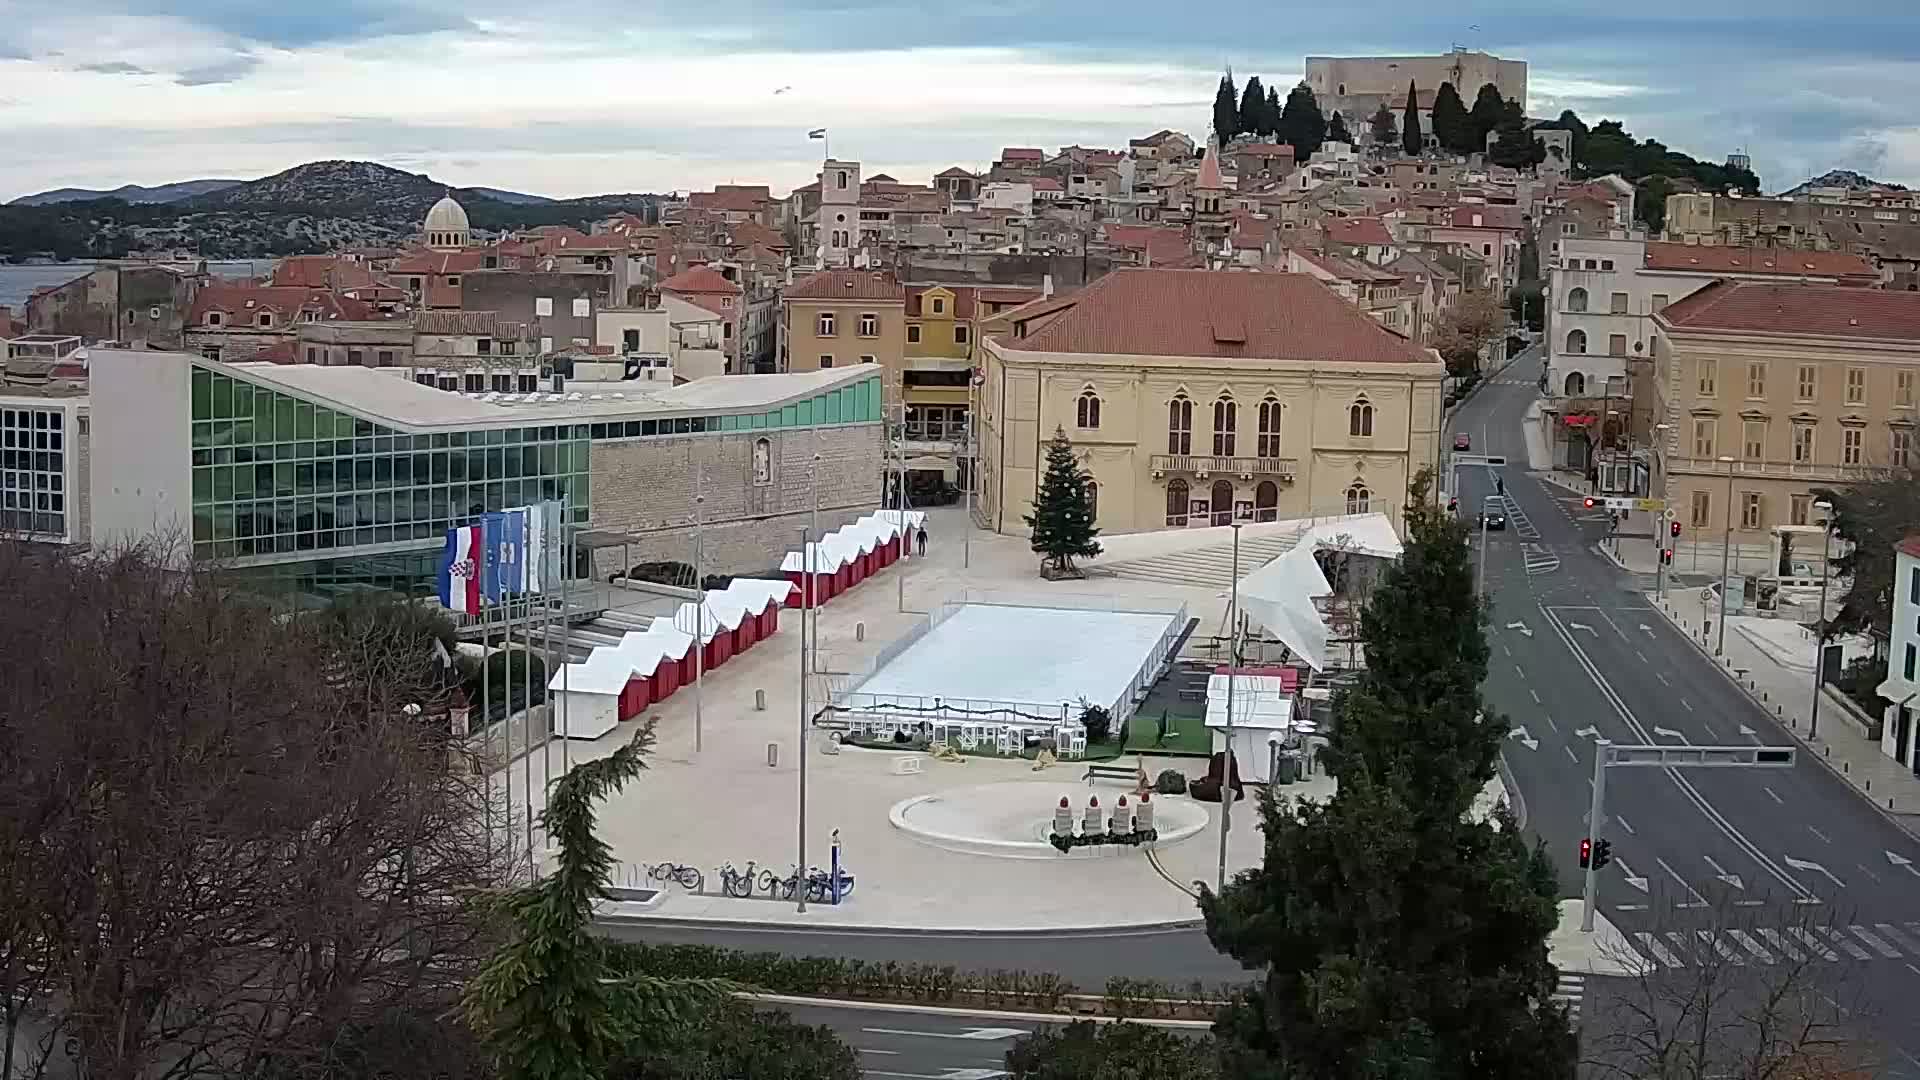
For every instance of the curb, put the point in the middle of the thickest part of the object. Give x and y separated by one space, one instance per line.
744 926
951 1010
1908 823
1515 801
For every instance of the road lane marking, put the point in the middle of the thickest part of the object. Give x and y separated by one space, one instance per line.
1680 945
1898 937
1711 734
1551 724
970 1035
1772 796
1846 943
1523 674
1662 678
1575 757
1687 704
1746 942
1816 832
1879 946
1813 944
1641 655
1698 900
1782 945
1869 873
869 1050
1651 944
1622 822
1535 694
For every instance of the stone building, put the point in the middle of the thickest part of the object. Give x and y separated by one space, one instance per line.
1356 86
139 305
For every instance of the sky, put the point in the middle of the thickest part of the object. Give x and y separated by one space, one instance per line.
592 96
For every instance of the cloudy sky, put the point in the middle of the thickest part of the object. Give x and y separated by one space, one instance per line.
588 96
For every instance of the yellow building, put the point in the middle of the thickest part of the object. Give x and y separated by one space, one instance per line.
837 318
1763 392
1193 395
944 324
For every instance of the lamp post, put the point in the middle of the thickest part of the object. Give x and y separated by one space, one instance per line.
699 616
808 598
1726 556
1820 620
1226 768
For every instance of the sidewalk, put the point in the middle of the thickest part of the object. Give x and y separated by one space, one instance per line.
1753 660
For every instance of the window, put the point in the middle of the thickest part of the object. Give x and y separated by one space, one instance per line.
1617 303
840 178
1856 385
1358 498
1797 508
1606 264
484 346
1360 419
913 333
1176 502
265 318
939 305
476 383
1750 510
1709 372
629 341
1180 426
1226 418
1757 379
1577 300
1267 444
1660 302
869 324
1803 444
960 333
1806 383
453 279
1850 443
1901 448
313 355
1903 387
866 358
213 318
1913 587
543 305
1703 438
1616 344
582 307
1093 500
1906 669
726 331
1086 411
826 360
386 357
824 325
726 301
1569 229
1700 510
1577 342
1754 440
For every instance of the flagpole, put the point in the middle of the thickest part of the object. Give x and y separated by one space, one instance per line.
566 636
699 612
537 575
526 701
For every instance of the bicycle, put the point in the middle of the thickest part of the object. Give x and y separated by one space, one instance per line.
737 884
688 877
820 885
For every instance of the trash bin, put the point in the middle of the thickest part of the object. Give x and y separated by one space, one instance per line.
1287 770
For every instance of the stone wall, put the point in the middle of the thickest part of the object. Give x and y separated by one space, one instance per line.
645 488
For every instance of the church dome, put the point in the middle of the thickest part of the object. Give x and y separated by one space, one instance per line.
446 225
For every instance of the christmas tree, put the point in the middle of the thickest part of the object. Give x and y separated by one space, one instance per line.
1062 518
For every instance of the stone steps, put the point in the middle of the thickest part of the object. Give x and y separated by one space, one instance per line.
1211 566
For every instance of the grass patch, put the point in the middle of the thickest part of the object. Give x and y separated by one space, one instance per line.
1189 736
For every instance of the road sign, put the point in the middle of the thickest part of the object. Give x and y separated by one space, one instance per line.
1495 461
1621 502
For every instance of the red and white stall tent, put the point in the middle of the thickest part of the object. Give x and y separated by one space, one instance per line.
591 691
764 599
822 560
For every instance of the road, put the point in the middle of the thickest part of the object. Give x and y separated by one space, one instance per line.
1754 857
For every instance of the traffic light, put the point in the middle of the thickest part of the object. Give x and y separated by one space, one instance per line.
1666 556
1673 529
1589 503
1586 851
1602 854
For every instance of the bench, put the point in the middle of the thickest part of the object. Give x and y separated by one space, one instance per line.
1125 773
1193 694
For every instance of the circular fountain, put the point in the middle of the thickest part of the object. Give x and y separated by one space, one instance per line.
1015 820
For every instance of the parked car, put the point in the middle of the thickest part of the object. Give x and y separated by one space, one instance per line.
1462 441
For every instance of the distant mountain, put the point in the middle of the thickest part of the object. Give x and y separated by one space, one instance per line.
128 193
1841 178
514 198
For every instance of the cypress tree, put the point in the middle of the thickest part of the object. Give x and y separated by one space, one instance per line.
1273 113
1253 109
1489 108
1301 123
1226 110
1450 120
1337 129
1411 140
1385 131
1062 518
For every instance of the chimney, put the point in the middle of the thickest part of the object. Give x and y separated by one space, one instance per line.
1046 286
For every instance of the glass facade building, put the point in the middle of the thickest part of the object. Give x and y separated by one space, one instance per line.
33 471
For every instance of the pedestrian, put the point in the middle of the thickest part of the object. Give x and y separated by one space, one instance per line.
923 540
1499 486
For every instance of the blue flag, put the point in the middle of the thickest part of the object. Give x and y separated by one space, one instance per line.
513 552
493 528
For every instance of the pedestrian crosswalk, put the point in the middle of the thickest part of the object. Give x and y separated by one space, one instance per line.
1700 947
1571 991
1540 560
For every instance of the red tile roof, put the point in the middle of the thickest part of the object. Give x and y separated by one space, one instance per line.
457 323
1733 260
1909 546
739 200
232 298
1162 243
847 285
749 233
1219 313
1266 149
320 272
1346 269
1023 153
1358 230
1491 217
1800 310
700 280
1045 183
280 352
437 262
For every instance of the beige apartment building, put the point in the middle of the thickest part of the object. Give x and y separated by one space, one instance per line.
1767 391
1193 396
838 318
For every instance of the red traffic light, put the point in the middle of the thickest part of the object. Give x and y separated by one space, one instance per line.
1673 529
1588 502
1666 556
1586 851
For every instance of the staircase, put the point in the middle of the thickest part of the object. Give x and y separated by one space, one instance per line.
1210 566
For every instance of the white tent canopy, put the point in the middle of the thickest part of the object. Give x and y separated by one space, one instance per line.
1259 701
1279 596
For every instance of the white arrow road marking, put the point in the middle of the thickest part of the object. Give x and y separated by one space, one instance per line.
1903 863
973 1034
1667 733
1747 731
1583 626
1588 732
1526 740
1637 882
1520 626
1721 873
1647 628
1802 864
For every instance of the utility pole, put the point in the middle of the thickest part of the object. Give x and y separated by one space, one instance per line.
1233 666
699 613
1820 621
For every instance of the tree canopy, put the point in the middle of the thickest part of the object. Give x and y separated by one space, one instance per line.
1873 515
1337 129
1253 109
1383 128
1450 123
1226 110
1412 139
1301 123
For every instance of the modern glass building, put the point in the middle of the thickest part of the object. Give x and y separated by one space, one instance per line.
319 479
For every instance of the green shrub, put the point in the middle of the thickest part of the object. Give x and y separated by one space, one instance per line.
1097 720
1171 782
1084 1050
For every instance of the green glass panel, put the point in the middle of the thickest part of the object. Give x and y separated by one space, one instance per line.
202 528
222 397
202 488
202 434
803 411
790 416
283 412
223 483
263 425
283 479
832 407
202 394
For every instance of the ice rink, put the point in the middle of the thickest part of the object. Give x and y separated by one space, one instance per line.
1031 655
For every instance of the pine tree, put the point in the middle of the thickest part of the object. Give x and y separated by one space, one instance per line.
1450 120
1301 124
1337 129
1412 142
1385 131
1273 113
1226 110
1062 518
1253 109
1488 110
1394 937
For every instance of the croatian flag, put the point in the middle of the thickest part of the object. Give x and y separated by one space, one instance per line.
460 570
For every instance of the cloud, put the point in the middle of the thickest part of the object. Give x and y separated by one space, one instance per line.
232 69
114 67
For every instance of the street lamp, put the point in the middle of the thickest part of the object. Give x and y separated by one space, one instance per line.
1226 768
1662 534
808 598
1726 555
1820 618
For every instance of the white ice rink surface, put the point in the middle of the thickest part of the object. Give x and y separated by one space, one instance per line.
1043 656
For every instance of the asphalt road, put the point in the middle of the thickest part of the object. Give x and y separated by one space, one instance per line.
1756 857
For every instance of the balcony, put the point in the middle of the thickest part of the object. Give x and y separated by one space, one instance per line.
1771 470
1244 467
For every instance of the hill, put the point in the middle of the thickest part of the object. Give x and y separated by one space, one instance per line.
127 193
1840 178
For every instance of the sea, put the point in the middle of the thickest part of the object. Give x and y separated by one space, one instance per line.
17 282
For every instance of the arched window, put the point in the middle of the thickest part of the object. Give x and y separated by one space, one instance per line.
1086 411
1577 342
1268 445
1266 501
1360 419
1577 300
1093 500
1226 418
1176 502
1358 498
1576 384
1222 500
1180 426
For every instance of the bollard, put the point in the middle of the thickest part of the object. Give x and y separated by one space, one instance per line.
760 700
1063 818
1090 824
1122 823
1843 765
860 631
1869 786
773 755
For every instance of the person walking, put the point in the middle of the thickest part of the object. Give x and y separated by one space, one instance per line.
923 540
